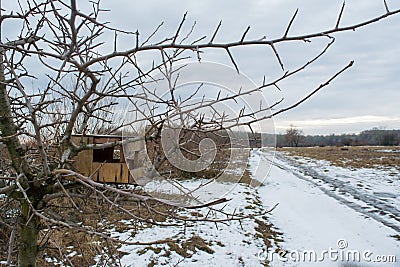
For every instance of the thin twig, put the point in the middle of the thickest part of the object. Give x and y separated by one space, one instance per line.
215 32
244 34
340 16
179 28
290 24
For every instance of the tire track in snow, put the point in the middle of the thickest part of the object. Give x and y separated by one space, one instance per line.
312 176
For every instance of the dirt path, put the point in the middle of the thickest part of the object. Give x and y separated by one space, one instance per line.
317 214
370 205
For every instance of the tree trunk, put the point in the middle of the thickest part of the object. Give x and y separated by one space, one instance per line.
28 232
28 225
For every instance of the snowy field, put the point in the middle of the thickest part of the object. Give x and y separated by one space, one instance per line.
327 216
324 207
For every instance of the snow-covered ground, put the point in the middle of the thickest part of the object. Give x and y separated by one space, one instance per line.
317 213
232 244
323 212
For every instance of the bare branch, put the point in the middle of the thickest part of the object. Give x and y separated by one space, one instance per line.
277 56
340 16
244 34
232 59
179 28
290 24
386 6
315 91
215 32
11 245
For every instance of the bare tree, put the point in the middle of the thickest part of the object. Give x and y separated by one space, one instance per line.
294 136
58 78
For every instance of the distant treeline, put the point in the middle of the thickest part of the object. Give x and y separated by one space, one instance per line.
374 137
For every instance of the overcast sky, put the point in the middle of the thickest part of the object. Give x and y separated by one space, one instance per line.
366 96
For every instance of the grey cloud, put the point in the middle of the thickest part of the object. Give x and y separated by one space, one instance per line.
371 87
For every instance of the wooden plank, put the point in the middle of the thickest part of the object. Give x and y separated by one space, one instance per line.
102 140
83 161
111 173
125 174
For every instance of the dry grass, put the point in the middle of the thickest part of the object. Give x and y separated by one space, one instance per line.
269 234
190 246
72 247
185 248
354 157
77 248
